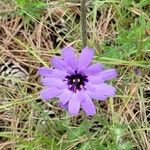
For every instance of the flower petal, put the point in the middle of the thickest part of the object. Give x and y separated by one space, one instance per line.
63 106
49 72
95 79
58 74
45 71
58 63
96 95
106 89
94 69
69 57
87 104
74 105
101 92
53 82
50 93
65 97
85 58
108 74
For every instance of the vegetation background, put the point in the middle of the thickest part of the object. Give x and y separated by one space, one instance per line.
32 31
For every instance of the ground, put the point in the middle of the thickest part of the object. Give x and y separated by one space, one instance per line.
33 31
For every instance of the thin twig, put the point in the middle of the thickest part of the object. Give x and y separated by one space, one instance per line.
83 23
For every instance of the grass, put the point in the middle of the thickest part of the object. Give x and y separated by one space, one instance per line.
33 31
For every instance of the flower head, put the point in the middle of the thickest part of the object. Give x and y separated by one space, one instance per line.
76 81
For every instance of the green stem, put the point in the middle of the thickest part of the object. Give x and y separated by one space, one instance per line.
83 23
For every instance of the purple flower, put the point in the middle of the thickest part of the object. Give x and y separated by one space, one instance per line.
75 81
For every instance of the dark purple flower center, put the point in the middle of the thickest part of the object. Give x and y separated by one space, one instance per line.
76 81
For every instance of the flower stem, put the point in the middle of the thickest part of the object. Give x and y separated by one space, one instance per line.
83 23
